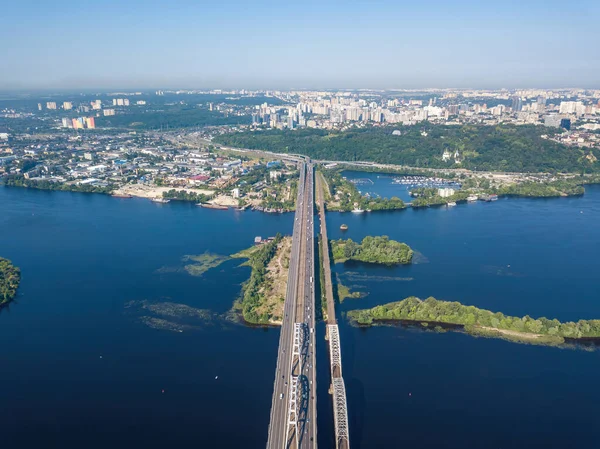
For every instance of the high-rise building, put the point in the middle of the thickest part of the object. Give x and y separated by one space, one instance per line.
566 124
90 123
39 106
67 123
517 104
96 104
78 123
67 105
51 105
125 101
107 112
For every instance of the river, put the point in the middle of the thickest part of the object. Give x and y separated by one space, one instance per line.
81 369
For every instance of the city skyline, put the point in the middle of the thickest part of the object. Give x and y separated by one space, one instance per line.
379 45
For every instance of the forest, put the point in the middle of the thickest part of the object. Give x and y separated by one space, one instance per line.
10 276
433 310
478 147
377 250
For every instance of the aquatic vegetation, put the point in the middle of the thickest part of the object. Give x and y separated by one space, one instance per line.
355 276
171 316
344 292
203 263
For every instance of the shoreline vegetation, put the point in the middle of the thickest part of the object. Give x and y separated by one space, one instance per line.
478 322
263 294
10 277
375 250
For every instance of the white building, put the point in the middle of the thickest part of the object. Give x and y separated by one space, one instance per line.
446 192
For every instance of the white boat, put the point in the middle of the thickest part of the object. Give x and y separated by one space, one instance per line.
451 203
472 198
160 200
357 211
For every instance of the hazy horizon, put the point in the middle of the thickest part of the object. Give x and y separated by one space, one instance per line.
314 45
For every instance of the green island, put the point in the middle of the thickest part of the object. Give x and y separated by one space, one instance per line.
478 321
378 250
10 277
263 294
506 148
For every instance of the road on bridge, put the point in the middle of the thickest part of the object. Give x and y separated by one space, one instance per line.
293 422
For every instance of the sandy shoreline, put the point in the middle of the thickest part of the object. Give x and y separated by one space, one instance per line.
143 191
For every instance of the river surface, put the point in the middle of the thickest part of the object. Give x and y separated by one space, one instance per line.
81 368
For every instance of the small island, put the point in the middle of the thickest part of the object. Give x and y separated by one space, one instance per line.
10 277
477 321
377 250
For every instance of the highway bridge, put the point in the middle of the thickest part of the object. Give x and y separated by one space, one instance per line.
293 422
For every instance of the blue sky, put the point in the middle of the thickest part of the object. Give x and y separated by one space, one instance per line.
302 44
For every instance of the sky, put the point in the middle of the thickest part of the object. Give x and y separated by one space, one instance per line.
257 44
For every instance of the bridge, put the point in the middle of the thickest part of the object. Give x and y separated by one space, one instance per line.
338 388
293 421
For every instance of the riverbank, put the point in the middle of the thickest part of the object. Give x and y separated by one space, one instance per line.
10 277
477 321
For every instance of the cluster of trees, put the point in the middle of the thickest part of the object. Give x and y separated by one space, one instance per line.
251 299
10 276
502 147
425 196
542 189
20 181
182 195
380 250
432 310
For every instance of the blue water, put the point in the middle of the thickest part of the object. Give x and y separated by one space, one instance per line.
379 184
80 370
410 388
